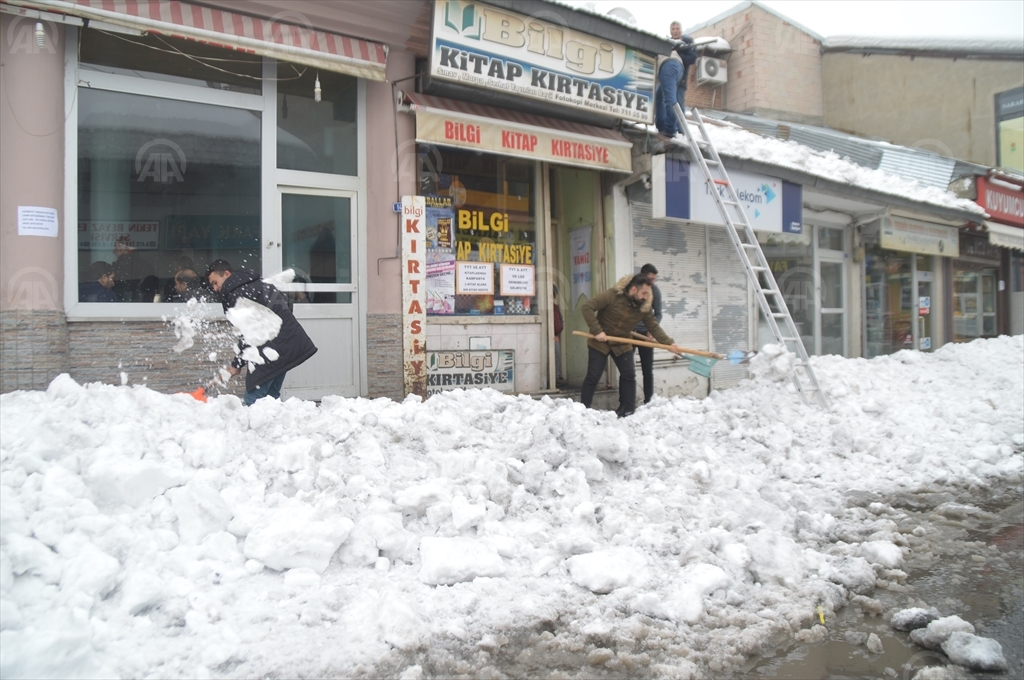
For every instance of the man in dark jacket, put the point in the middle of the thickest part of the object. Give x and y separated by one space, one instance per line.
615 312
673 72
272 341
647 353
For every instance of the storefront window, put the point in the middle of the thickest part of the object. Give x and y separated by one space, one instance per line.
888 302
974 301
481 233
164 186
311 135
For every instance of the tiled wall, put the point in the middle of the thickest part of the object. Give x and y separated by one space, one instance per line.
524 338
384 356
33 349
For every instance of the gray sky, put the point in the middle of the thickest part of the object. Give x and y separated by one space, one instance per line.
937 18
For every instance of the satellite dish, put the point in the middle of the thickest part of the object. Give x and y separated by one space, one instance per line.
623 14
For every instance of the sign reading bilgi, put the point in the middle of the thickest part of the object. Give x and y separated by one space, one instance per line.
680 191
483 46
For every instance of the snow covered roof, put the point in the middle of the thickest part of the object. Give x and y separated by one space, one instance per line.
749 3
1009 47
583 9
927 167
733 141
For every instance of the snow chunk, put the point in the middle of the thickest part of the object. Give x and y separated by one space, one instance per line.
445 561
91 571
938 631
885 553
605 570
257 324
293 537
466 514
976 653
609 444
913 618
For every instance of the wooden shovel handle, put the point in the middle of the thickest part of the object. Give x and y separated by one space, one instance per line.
645 343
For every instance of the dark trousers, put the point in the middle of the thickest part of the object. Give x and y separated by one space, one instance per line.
627 379
271 388
669 93
647 368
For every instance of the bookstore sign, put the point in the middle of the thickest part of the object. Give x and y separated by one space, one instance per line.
483 46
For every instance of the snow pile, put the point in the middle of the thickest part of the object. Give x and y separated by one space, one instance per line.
145 534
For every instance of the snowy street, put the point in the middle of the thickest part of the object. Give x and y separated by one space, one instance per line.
151 535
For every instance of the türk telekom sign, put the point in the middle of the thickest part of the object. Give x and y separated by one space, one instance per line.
483 46
1002 203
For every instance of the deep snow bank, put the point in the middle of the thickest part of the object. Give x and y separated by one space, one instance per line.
146 534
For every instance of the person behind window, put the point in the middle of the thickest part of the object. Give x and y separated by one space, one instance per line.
559 327
673 72
100 286
187 286
130 270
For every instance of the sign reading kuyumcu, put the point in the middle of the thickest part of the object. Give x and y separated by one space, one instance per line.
483 46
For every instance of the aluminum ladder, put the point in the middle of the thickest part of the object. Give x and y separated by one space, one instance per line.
757 270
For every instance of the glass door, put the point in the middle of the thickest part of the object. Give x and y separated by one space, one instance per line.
318 242
831 289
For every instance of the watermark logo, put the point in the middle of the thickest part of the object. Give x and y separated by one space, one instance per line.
922 660
799 285
160 160
935 146
29 36
418 166
32 288
286 21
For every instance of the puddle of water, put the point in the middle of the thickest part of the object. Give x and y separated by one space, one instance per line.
966 563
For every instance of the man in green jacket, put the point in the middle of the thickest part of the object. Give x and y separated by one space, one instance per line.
616 312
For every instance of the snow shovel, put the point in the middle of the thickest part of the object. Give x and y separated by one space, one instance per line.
701 362
199 394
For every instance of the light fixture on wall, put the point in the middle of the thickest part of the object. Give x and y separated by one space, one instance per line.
316 89
40 35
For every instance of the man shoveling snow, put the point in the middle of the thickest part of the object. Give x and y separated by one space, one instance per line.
272 341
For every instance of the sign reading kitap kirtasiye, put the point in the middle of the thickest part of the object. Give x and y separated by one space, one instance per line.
483 46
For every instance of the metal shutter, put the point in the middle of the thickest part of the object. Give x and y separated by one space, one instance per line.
731 308
679 252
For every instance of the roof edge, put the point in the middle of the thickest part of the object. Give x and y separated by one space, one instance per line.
754 3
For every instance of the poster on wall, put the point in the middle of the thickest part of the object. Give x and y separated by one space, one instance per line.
518 280
440 213
475 278
579 251
461 369
440 282
492 48
103 235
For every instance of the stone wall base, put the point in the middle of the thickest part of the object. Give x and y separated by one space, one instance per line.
384 356
33 349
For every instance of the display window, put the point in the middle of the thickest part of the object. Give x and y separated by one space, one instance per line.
888 279
481 233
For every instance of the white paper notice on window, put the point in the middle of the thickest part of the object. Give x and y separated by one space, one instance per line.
35 221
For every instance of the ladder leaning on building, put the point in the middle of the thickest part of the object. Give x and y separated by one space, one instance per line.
761 279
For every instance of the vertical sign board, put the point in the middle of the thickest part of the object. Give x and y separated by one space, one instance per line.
680 192
414 295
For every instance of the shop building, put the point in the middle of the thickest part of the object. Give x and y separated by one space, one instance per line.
158 136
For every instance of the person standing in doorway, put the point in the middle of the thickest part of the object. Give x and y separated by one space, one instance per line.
647 353
615 312
272 341
673 71
559 327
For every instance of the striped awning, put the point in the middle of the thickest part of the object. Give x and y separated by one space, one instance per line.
466 125
267 37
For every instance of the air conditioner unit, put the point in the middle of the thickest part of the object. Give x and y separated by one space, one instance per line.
712 71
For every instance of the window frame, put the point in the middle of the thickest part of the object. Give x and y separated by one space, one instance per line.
272 179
